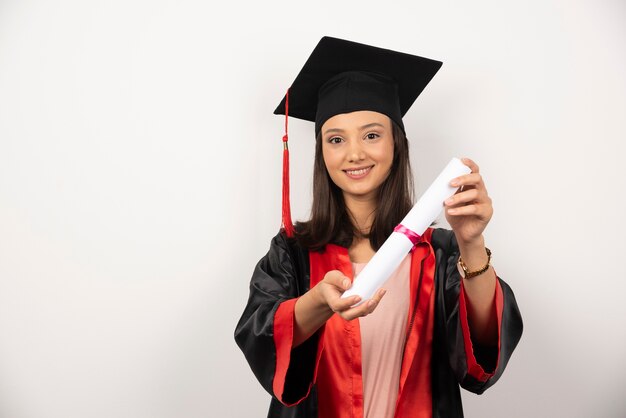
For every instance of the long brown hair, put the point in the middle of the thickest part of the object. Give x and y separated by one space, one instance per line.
330 221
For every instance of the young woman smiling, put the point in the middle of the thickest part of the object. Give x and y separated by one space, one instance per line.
443 319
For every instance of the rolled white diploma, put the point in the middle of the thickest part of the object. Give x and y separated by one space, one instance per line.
397 246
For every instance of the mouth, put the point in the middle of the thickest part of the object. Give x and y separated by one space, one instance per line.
358 173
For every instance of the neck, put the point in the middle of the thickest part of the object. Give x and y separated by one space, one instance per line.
361 211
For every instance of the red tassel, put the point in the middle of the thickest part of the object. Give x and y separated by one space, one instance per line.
287 224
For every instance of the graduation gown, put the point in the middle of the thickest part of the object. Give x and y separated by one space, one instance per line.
321 378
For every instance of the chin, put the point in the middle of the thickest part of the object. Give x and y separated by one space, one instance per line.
360 193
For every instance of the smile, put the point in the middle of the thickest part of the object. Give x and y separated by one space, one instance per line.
359 172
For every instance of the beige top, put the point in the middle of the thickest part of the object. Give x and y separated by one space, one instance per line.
382 341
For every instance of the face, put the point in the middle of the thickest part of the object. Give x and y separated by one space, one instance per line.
358 152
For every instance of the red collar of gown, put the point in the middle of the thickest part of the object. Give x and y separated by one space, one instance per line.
340 389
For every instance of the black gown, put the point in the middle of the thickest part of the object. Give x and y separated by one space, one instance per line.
284 273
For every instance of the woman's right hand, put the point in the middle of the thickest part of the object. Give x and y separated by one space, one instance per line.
320 303
329 292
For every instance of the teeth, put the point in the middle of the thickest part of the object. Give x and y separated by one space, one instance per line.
357 172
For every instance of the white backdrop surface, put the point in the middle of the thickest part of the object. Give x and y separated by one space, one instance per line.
140 184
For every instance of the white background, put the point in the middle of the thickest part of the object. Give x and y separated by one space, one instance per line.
140 184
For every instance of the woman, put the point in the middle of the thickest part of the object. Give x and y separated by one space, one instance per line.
446 321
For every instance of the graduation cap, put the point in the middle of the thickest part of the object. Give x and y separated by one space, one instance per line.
343 76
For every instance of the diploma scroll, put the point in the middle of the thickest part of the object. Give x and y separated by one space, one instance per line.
397 246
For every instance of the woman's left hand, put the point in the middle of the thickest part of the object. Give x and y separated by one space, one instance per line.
468 212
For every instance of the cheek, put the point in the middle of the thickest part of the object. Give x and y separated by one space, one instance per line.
330 158
390 158
325 158
385 155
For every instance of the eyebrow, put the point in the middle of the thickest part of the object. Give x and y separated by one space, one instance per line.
369 125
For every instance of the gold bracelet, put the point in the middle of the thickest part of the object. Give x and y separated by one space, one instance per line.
470 274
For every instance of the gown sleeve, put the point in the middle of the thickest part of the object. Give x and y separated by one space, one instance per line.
265 330
476 367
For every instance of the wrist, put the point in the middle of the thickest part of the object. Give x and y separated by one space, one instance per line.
469 272
471 245
473 253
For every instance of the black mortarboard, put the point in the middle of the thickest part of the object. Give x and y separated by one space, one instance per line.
341 77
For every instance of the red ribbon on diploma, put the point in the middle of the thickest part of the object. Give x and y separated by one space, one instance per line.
412 236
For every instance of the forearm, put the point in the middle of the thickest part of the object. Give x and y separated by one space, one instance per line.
310 314
480 292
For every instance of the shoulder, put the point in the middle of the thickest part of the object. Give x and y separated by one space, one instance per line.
286 251
281 241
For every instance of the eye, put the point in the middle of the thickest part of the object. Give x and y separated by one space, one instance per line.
372 135
335 140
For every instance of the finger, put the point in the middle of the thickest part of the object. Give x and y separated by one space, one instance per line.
467 180
471 164
344 304
379 295
373 302
356 312
480 210
365 308
463 210
467 196
338 279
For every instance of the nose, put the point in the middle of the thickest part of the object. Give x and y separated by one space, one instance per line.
356 152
